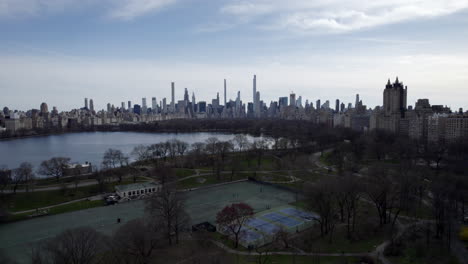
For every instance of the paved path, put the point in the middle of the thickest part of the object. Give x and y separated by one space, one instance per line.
92 198
252 253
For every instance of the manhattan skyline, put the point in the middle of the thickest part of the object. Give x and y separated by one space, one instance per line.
62 51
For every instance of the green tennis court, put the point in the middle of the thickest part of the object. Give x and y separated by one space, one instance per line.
202 205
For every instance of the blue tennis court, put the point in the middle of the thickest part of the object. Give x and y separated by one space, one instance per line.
285 220
262 225
250 235
298 213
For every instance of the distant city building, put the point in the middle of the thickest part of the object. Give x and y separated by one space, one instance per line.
283 101
292 99
44 108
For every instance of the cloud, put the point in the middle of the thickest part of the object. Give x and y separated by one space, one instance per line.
129 9
338 16
118 9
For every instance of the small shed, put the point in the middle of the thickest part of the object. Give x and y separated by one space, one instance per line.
137 190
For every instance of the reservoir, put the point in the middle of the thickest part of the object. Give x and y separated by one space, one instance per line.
88 146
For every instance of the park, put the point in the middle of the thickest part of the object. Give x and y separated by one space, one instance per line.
337 201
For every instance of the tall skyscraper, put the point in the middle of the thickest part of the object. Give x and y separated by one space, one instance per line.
299 101
292 99
91 105
283 101
254 92
193 101
86 103
257 105
357 101
144 107
224 92
44 108
172 97
164 105
122 106
108 107
337 105
318 105
342 107
395 99
129 105
154 105
186 96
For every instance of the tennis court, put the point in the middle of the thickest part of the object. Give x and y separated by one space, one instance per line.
202 205
262 227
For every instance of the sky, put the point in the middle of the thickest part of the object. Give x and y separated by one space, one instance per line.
61 51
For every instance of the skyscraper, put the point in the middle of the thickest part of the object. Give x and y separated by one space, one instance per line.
337 105
86 103
44 108
91 105
299 101
129 105
144 107
283 101
225 92
254 92
318 105
164 105
193 102
292 99
172 97
186 96
122 106
154 105
357 101
395 98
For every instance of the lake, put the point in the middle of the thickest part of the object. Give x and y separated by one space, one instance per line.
88 146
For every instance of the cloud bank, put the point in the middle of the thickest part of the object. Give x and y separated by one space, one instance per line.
117 9
337 16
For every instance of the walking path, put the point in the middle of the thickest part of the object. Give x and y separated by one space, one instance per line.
92 198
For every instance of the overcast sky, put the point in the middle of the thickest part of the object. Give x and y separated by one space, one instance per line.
60 51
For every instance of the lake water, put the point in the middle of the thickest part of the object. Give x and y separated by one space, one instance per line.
89 146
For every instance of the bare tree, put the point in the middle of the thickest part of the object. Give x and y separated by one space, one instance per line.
232 218
5 177
168 206
23 174
241 141
136 241
54 167
82 245
322 199
141 153
113 158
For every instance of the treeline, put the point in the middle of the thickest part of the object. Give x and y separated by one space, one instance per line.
397 176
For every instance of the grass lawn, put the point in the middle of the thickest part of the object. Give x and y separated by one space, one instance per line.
273 177
32 200
81 205
307 176
209 180
267 163
286 259
181 172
